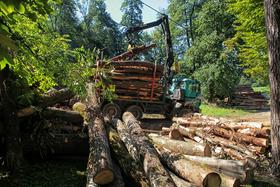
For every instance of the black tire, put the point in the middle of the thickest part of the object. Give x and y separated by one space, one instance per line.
111 110
185 112
137 111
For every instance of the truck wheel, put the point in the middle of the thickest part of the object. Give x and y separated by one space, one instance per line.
136 111
111 110
185 112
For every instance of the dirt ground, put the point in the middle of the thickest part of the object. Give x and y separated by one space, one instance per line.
258 116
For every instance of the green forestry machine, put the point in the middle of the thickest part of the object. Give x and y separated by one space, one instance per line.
137 92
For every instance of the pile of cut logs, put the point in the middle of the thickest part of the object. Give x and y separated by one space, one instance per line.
157 160
245 97
238 140
135 79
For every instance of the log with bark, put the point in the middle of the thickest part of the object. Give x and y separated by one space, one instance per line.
154 170
131 167
215 140
175 134
236 169
179 182
238 137
184 147
48 99
99 166
264 132
198 174
132 52
66 115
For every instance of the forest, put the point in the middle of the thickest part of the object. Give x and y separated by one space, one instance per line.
63 61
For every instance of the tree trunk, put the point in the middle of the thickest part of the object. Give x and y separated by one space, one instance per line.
272 12
228 181
66 115
154 170
221 141
198 174
238 137
131 167
232 168
8 98
126 139
263 133
179 182
184 147
100 162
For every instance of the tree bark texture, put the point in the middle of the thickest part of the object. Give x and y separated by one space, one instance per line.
100 162
272 15
238 137
198 174
8 98
131 167
184 147
154 170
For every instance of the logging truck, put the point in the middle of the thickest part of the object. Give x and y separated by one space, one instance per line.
148 87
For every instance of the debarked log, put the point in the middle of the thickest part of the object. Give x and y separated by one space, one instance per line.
184 147
198 174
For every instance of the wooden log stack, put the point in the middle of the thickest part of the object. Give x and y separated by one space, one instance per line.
245 97
136 79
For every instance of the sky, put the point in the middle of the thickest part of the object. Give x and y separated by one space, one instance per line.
113 7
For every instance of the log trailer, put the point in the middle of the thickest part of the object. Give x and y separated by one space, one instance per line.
145 87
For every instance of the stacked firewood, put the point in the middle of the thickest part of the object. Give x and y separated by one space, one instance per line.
135 79
238 140
245 97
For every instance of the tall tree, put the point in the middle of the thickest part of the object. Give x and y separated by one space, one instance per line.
99 29
272 14
208 54
65 21
250 39
132 16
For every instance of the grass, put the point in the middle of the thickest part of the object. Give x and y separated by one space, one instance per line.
52 173
264 89
217 111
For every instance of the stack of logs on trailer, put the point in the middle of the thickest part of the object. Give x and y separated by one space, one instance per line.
245 97
135 79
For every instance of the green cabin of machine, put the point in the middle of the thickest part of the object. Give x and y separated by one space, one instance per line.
179 95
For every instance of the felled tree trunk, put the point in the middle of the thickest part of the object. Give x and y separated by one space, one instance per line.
48 99
126 139
154 170
200 175
228 181
179 182
8 98
264 133
100 162
184 147
232 168
240 137
174 134
66 115
131 167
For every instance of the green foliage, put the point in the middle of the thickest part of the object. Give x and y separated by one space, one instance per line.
250 38
215 65
218 79
132 16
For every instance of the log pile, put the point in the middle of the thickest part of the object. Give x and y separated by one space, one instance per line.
245 97
237 140
121 154
135 79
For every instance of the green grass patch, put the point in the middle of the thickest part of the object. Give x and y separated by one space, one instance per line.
263 89
225 112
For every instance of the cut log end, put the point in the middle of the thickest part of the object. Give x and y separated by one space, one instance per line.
212 180
104 177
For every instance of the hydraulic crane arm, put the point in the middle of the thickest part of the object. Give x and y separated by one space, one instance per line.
167 35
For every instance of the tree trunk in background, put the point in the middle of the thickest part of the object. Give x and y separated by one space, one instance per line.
272 14
8 94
